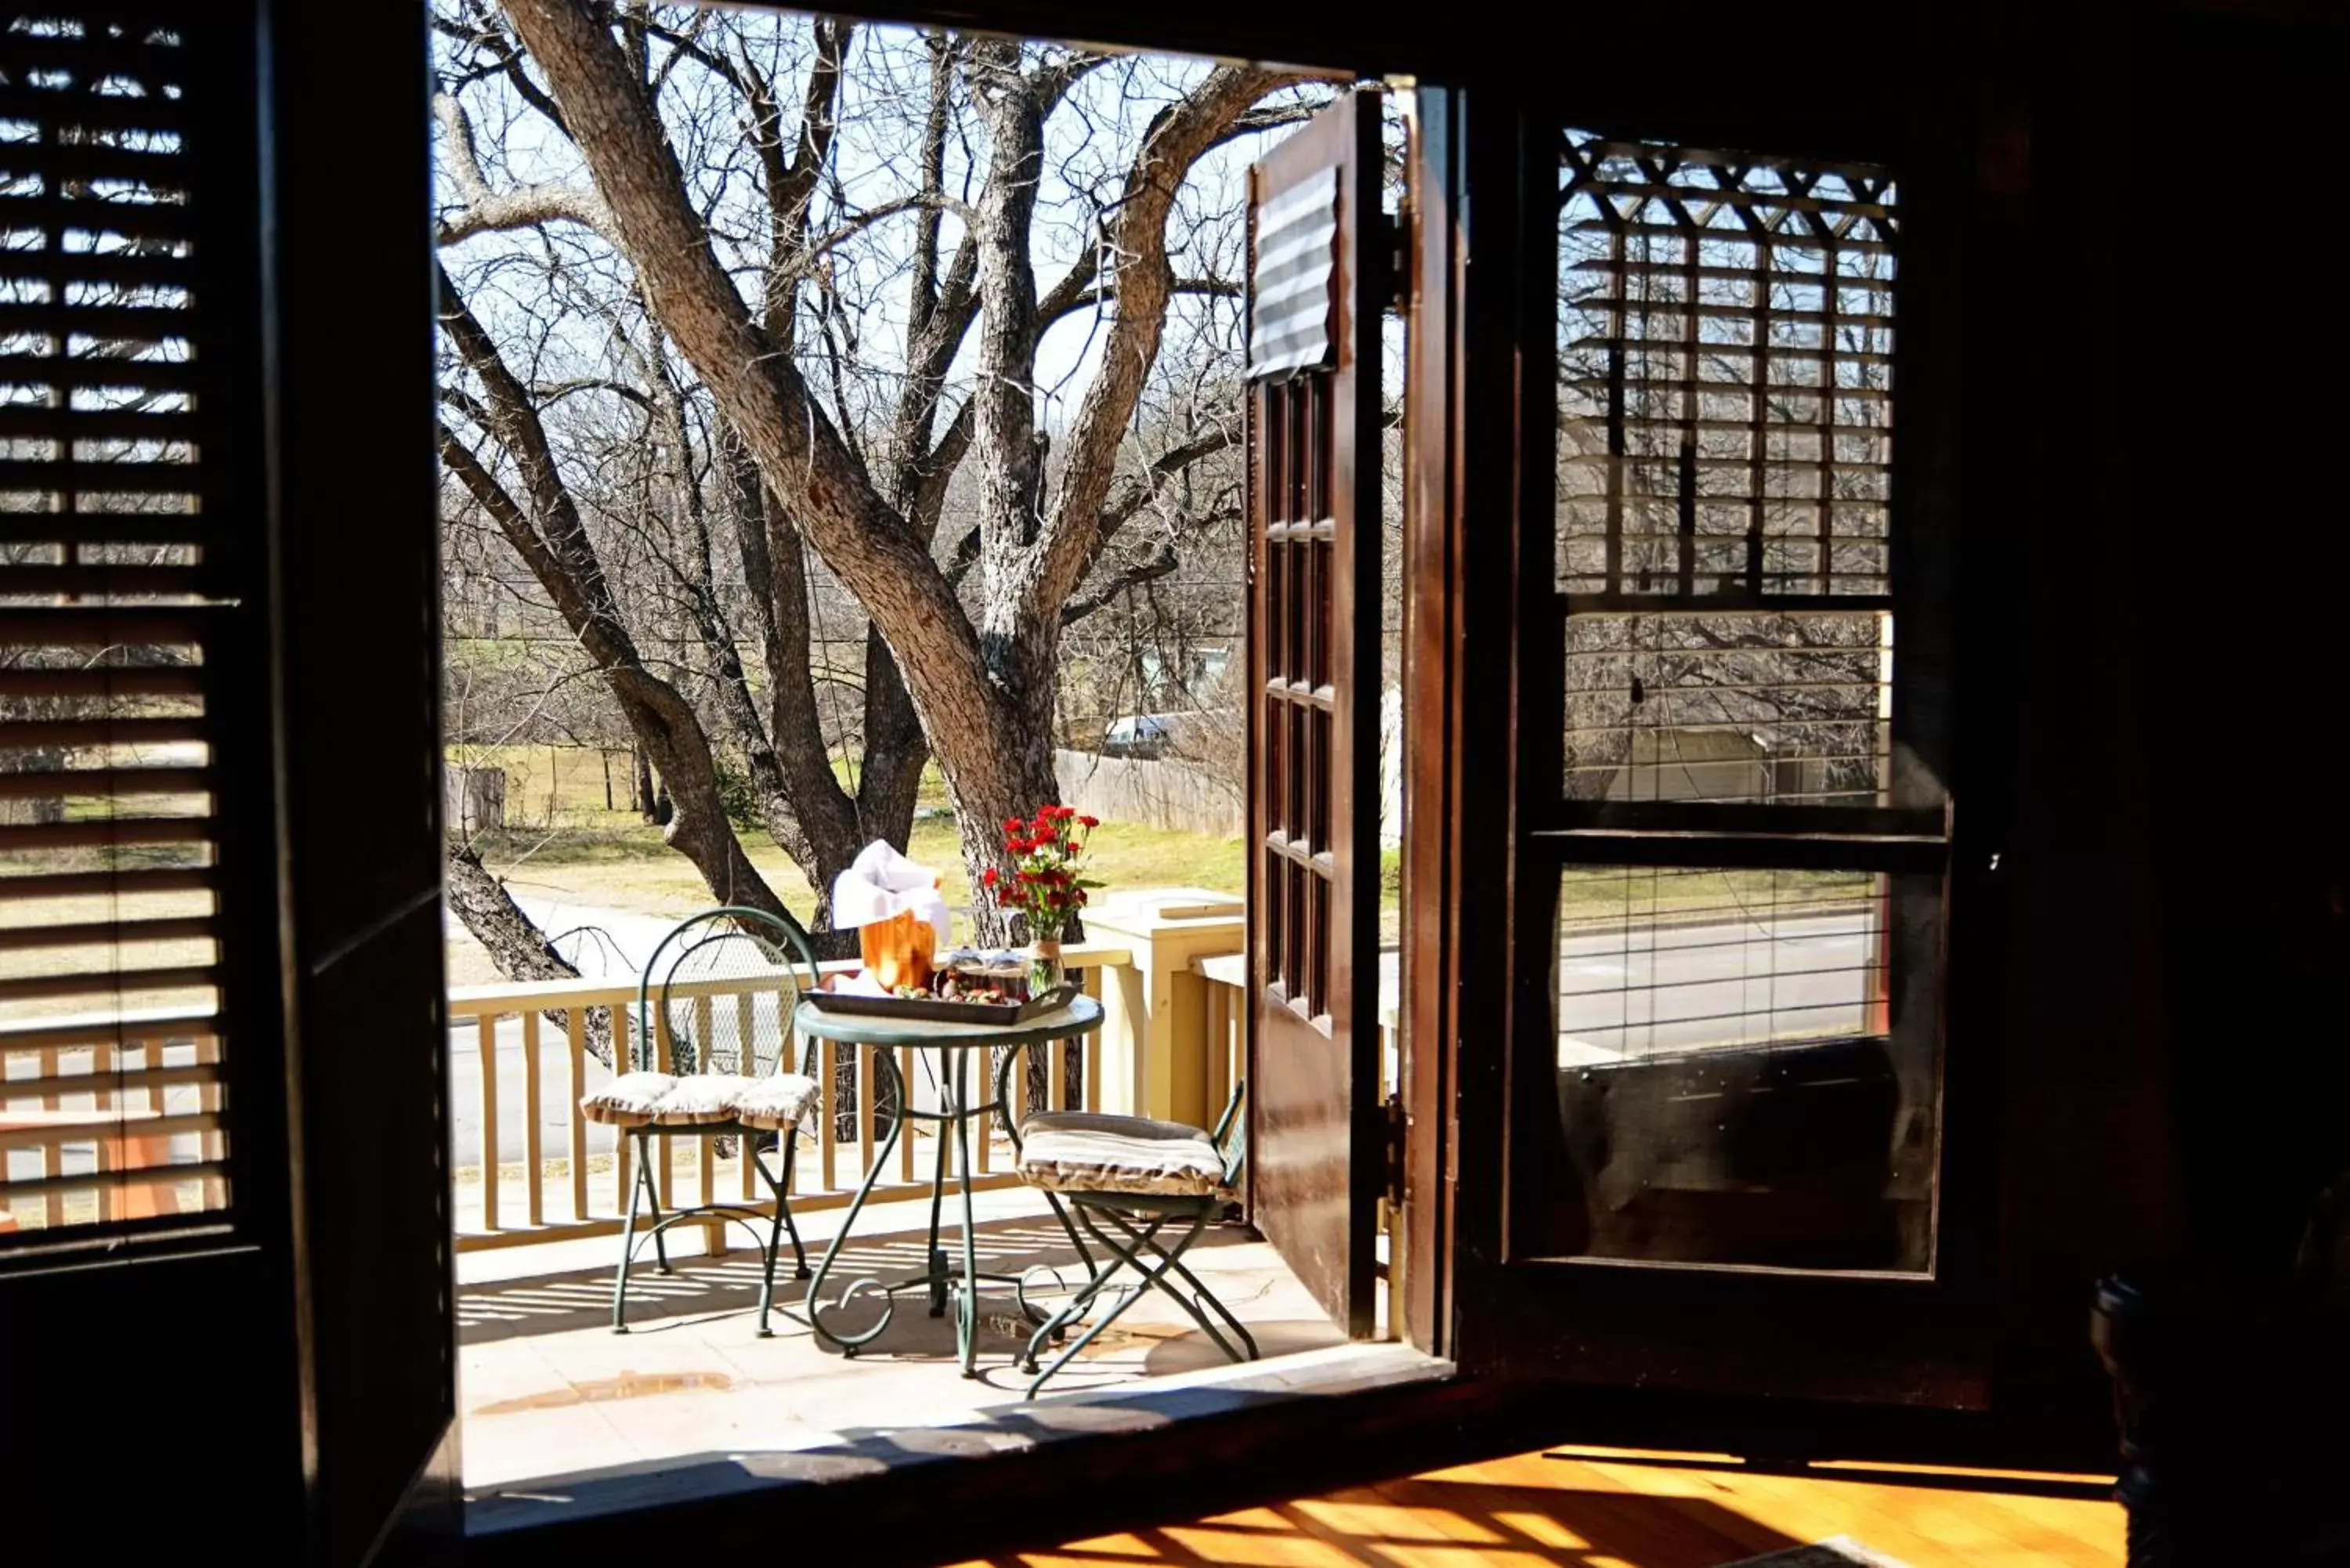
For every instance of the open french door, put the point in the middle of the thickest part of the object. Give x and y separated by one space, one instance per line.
1684 952
1316 287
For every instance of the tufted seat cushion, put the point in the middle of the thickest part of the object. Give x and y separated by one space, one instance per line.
701 1099
776 1103
1086 1151
628 1101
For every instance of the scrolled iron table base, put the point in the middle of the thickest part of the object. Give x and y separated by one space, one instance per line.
945 1281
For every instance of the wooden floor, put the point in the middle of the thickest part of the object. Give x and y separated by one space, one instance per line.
1589 1508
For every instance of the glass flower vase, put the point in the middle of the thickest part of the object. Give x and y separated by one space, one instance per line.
1045 971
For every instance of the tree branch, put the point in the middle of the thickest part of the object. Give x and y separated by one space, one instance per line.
515 944
1142 284
545 531
1161 563
1066 305
1005 399
1270 117
486 210
875 550
508 59
1131 494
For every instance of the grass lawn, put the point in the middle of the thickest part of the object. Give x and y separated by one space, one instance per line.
95 957
585 855
564 786
632 869
1592 897
561 838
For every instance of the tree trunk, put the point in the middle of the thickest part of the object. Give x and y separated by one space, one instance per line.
807 811
1013 777
552 541
640 785
895 749
515 943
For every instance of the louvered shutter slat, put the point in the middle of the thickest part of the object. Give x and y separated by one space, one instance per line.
17 937
78 375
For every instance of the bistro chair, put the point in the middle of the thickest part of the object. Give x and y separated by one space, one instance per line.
718 994
1127 1180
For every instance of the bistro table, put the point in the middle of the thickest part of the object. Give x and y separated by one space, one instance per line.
954 1045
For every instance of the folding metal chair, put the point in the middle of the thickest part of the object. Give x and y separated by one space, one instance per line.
1125 1179
716 1000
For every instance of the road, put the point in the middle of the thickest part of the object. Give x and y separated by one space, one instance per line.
1662 987
1678 988
618 955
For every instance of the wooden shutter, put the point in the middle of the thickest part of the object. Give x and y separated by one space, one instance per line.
116 603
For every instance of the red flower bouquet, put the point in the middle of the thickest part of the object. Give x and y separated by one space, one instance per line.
1045 882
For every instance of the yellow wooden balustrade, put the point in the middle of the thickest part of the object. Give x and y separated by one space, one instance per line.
542 1199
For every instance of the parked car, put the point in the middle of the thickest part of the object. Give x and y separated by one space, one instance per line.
1142 735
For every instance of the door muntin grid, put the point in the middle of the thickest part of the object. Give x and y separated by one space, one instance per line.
1294 417
1725 375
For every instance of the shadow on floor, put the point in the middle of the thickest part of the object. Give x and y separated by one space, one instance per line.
857 1452
2003 1483
1432 1520
558 1304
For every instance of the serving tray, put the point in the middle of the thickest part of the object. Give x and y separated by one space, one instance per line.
938 1011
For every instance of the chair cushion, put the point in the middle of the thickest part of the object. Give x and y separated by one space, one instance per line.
701 1099
1088 1151
628 1101
775 1103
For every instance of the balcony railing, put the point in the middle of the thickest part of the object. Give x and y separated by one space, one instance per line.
108 1116
583 1189
1167 1047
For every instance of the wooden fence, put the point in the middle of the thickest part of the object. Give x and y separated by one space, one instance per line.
1160 793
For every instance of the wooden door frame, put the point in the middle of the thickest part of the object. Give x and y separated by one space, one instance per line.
1467 477
354 533
1458 679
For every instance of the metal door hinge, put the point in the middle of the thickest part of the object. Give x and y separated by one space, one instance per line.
1398 1126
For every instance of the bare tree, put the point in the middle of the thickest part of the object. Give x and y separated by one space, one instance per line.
857 466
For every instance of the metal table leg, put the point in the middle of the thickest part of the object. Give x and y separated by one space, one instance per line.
848 1344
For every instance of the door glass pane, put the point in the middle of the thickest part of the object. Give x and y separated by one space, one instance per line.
1748 1068
1767 708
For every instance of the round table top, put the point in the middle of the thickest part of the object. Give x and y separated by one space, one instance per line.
1083 1015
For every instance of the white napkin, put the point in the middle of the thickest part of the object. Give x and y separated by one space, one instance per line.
880 883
